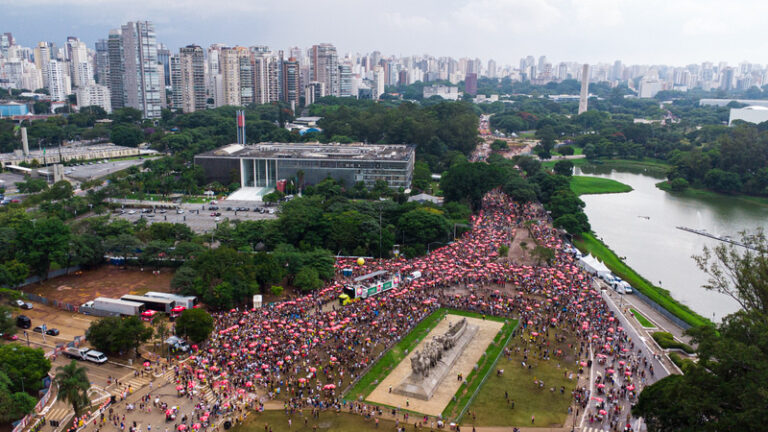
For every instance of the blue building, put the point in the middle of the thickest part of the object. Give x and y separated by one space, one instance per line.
12 109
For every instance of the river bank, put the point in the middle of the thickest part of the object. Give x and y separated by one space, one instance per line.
588 243
699 193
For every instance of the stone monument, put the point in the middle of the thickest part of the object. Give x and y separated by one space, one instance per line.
430 365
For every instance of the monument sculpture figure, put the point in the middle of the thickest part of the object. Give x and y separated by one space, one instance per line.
422 362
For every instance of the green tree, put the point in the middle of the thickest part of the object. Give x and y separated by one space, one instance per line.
26 367
13 405
127 136
564 168
73 384
43 242
307 279
195 324
13 273
276 290
7 323
115 334
679 184
499 145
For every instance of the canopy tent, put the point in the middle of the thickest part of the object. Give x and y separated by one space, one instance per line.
593 265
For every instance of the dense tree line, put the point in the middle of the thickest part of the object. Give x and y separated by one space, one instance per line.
468 182
440 131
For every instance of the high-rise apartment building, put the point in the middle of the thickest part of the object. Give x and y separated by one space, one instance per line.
116 77
346 84
136 56
174 63
470 84
58 83
81 69
324 67
101 62
266 75
192 74
291 81
94 94
236 65
164 58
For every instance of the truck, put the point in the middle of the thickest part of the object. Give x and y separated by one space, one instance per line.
179 300
85 354
122 307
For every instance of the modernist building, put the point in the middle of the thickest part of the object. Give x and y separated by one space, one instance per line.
263 165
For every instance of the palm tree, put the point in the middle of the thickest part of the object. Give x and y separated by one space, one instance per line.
73 385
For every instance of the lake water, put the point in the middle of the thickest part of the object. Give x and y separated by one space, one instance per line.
654 247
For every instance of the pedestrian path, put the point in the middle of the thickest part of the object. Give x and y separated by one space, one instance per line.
58 414
134 383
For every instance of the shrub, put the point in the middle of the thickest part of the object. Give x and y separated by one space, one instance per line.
276 290
667 341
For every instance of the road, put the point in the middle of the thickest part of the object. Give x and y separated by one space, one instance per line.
644 349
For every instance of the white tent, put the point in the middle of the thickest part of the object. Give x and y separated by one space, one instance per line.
593 265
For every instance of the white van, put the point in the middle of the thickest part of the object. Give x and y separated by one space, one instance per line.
95 357
621 286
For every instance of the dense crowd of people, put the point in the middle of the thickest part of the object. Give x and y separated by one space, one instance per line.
308 350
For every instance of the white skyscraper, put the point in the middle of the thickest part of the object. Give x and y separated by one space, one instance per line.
58 82
94 94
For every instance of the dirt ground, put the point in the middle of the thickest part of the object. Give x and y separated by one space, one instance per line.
516 253
106 281
487 330
69 325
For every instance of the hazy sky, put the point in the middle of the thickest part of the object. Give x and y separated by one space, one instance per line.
675 32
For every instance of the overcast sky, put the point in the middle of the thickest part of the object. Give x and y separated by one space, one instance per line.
675 32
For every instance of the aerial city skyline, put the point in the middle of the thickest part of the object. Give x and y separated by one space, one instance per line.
198 77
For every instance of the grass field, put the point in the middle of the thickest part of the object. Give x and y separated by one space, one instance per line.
475 378
692 192
584 185
277 421
189 199
587 243
396 354
642 319
550 408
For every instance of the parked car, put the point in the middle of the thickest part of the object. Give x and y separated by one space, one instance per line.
217 219
131 212
10 337
21 304
23 321
180 211
52 332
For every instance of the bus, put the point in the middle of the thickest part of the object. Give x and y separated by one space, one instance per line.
153 303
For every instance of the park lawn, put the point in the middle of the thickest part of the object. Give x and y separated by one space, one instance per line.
692 192
475 378
642 319
587 243
550 409
328 421
584 185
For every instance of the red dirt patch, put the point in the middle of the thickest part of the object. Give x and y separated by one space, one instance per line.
106 281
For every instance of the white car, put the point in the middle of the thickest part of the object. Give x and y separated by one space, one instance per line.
131 212
180 211
217 219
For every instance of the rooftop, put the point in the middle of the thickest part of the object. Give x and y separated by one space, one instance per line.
315 150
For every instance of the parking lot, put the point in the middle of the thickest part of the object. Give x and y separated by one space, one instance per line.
94 170
198 216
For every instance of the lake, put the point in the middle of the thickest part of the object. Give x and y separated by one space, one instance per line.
640 226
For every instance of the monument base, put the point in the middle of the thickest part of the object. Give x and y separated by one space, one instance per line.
423 388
